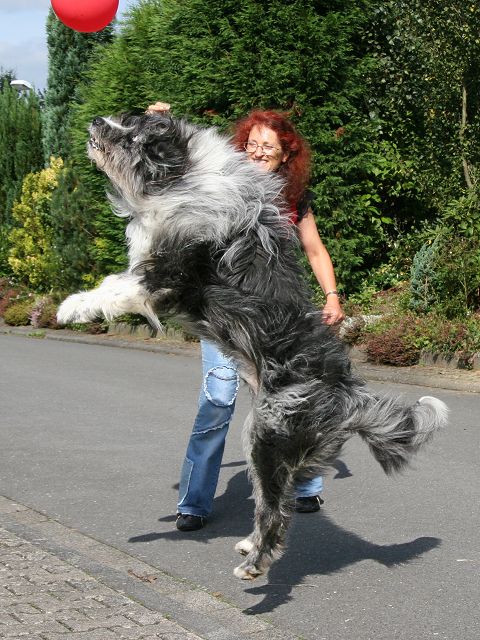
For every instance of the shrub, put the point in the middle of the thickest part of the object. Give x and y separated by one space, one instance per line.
448 337
31 255
18 313
446 276
8 294
458 273
94 328
393 345
370 301
44 313
399 340
424 280
446 270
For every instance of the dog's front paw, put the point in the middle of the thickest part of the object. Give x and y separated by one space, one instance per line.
76 308
247 571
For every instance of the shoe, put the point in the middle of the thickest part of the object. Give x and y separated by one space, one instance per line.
308 505
187 522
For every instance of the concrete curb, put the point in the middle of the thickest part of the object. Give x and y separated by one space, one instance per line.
419 375
123 341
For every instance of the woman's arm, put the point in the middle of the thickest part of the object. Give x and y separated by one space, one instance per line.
322 267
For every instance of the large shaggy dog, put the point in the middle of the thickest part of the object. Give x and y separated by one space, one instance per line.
209 240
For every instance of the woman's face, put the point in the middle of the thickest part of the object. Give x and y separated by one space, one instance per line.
263 147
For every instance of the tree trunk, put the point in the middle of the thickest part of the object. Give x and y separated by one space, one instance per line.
466 169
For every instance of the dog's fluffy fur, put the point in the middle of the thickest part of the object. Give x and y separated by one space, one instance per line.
209 240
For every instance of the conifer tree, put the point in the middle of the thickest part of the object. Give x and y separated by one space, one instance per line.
6 76
215 61
72 232
68 55
20 151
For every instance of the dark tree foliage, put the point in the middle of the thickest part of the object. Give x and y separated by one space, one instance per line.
20 151
392 121
216 61
427 94
72 233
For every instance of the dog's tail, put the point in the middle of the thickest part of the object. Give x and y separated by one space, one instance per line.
395 432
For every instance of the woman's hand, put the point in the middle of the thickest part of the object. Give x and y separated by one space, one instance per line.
332 311
158 107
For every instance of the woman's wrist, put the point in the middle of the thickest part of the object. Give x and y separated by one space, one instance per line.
333 292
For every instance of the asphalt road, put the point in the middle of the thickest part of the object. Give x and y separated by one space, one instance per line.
94 436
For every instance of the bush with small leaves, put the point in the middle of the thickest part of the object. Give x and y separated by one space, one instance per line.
8 294
18 314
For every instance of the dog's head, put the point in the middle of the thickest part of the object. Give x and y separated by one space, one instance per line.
141 154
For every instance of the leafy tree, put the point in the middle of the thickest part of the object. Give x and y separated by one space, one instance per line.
427 91
71 234
392 121
428 95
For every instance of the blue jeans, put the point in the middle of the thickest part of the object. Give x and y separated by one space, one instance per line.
201 467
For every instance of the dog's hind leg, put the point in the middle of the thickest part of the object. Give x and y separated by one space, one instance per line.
273 483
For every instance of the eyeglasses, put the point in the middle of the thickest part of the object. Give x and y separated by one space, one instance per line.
267 149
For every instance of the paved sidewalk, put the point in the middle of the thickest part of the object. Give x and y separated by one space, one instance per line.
56 583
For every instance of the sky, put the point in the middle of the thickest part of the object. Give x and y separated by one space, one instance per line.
23 41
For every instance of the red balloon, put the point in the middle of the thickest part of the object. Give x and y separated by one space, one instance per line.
85 16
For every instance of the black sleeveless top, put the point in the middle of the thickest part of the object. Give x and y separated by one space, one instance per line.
298 212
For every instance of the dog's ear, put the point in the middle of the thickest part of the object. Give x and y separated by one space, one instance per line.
164 158
153 133
157 123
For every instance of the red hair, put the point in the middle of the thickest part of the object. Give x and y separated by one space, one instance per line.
296 170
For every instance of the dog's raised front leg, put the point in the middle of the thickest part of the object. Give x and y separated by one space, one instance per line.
117 294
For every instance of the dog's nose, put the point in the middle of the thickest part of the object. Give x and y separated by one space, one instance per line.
97 121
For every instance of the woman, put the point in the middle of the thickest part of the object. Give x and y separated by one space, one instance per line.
270 141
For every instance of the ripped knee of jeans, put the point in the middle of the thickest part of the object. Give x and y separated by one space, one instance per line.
221 385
